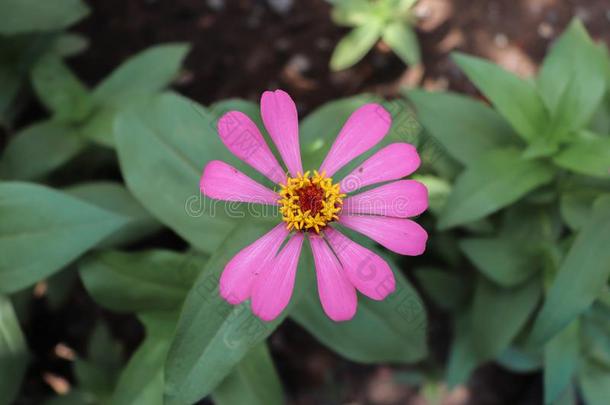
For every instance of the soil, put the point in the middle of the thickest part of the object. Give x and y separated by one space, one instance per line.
243 47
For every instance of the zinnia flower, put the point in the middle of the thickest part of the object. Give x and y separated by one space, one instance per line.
311 203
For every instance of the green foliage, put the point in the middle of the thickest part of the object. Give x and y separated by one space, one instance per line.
582 277
388 20
469 128
495 317
42 230
253 381
39 149
154 280
213 336
30 29
166 132
21 16
560 361
518 191
13 352
392 330
544 195
499 178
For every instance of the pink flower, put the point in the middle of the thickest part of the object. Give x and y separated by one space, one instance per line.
311 204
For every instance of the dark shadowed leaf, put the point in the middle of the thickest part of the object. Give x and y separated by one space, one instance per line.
142 74
448 290
38 149
494 319
20 16
594 382
561 355
13 352
142 380
581 277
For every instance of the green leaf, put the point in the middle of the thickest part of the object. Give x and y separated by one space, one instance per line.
114 197
402 39
253 381
518 250
581 277
561 357
589 156
142 380
357 43
37 150
70 44
392 330
576 206
42 230
59 90
99 127
352 13
516 99
465 128
213 336
97 374
495 180
595 336
572 79
448 290
154 280
18 54
594 382
142 74
13 352
20 16
501 259
163 146
518 360
495 318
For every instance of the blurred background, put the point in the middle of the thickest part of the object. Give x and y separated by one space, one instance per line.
241 48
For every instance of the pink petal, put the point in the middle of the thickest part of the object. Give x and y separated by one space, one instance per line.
281 120
363 130
402 236
243 138
273 289
337 294
240 273
222 181
368 272
390 163
402 198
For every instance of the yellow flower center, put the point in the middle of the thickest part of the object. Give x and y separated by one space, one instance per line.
310 202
